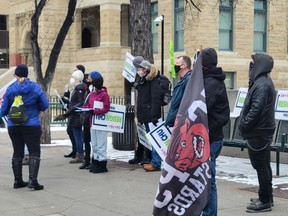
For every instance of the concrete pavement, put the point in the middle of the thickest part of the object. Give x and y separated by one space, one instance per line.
124 191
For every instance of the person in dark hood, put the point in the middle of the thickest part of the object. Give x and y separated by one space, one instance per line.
257 126
218 115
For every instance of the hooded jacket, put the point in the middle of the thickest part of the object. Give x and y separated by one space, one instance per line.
33 98
217 103
257 118
149 97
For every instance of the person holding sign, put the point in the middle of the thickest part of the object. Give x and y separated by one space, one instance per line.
139 153
149 105
99 102
257 126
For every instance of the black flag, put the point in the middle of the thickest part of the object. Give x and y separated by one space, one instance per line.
184 187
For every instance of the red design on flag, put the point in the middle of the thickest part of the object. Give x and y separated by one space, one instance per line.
184 186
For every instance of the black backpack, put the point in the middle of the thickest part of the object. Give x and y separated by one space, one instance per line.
165 86
18 113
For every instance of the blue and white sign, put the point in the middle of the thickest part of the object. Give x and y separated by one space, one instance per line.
113 121
159 137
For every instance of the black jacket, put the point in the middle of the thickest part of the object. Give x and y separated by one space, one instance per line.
257 118
149 97
76 100
217 102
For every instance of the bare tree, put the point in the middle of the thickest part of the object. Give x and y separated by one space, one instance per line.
140 28
46 80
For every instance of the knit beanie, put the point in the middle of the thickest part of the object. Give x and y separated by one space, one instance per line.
209 58
21 70
78 74
94 74
81 67
98 82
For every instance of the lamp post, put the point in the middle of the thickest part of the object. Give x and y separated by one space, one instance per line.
158 20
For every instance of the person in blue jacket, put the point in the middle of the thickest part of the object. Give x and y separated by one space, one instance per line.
183 69
35 101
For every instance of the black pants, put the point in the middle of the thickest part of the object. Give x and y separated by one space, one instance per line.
71 137
21 135
87 139
259 154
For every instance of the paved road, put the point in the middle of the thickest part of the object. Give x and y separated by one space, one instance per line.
124 191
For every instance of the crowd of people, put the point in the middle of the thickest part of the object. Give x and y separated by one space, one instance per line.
256 125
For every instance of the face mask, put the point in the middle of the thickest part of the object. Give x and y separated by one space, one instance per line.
90 88
72 81
141 73
177 68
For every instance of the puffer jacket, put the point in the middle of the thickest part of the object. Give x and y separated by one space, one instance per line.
257 118
149 97
76 100
33 98
216 101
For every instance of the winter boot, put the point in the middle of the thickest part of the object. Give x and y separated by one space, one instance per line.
86 163
94 165
102 167
17 170
34 163
79 159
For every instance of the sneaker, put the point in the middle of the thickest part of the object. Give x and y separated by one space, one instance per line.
255 200
135 160
258 207
150 168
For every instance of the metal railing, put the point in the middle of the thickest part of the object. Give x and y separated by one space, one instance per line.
56 107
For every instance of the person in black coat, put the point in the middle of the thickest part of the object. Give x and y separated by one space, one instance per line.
149 104
218 115
76 100
257 126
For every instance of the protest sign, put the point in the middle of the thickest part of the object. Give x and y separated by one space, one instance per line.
129 71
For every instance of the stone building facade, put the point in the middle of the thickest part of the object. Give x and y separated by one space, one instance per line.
99 37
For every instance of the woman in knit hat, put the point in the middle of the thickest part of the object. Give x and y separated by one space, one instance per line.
29 132
98 137
76 100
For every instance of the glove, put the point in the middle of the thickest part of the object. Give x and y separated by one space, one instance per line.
59 118
155 122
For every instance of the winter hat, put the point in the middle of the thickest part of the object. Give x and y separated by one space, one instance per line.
21 70
137 60
94 74
209 58
78 74
145 64
81 67
98 82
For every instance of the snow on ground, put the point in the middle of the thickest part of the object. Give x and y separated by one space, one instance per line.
228 168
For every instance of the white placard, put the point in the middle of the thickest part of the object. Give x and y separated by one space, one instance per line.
239 102
129 71
281 105
142 136
159 137
113 120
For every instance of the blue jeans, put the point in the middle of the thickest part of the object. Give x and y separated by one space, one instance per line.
211 208
156 159
77 132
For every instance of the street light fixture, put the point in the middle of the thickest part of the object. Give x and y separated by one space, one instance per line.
158 20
